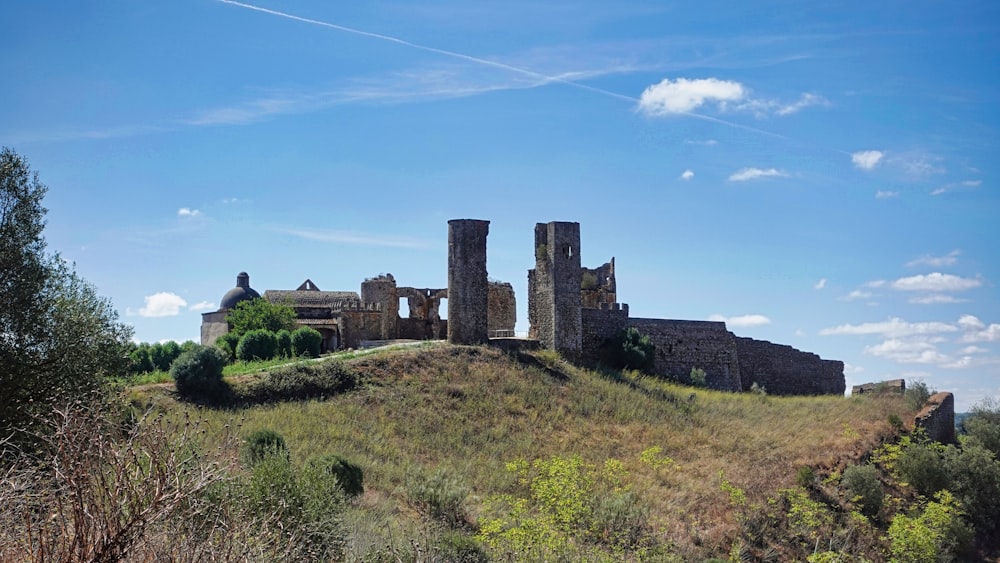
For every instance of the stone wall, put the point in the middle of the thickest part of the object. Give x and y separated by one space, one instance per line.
213 325
422 329
501 309
683 345
598 285
597 325
937 418
894 386
382 290
364 323
468 290
554 288
783 370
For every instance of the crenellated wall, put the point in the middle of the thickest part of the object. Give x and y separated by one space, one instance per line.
783 370
937 418
683 345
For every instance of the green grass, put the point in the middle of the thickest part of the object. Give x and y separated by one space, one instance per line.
470 410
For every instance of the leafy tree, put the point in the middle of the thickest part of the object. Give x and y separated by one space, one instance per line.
256 345
198 372
260 314
983 425
58 337
629 349
142 362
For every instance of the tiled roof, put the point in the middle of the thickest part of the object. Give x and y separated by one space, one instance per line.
334 299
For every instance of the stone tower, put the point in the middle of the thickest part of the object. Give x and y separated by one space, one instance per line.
468 288
382 290
554 288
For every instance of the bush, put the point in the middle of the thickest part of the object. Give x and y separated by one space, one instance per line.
863 484
936 534
440 496
629 349
697 377
348 476
262 444
983 425
306 342
163 354
256 345
284 341
198 373
921 465
141 361
916 395
301 381
228 343
975 475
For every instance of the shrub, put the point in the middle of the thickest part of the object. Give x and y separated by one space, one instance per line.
306 341
895 422
456 546
916 395
301 381
348 476
805 476
440 496
256 345
863 484
921 465
228 343
262 444
198 373
697 377
284 342
629 349
975 475
164 354
936 534
141 361
983 425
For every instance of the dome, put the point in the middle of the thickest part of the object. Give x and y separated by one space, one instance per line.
242 292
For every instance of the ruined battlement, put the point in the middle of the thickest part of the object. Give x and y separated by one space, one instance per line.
783 370
937 418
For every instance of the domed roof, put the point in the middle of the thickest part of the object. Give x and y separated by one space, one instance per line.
242 292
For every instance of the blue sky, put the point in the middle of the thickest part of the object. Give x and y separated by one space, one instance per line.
821 174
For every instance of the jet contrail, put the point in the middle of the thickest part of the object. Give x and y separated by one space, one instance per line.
490 63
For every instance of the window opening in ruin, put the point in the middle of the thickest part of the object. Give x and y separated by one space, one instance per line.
443 309
569 252
404 307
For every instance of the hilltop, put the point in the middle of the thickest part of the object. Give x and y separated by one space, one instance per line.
467 413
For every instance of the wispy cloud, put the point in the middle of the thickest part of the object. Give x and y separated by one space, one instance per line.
162 304
935 299
886 194
856 295
804 101
978 331
754 173
907 351
352 238
705 143
935 261
866 160
953 186
893 328
203 306
741 320
687 174
935 282
188 212
820 284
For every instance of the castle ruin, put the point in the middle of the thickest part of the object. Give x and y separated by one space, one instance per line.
572 309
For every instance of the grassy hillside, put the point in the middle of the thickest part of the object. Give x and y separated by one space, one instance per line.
466 412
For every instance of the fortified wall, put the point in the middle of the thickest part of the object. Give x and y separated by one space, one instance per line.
938 418
568 303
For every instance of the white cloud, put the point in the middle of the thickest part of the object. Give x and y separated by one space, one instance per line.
866 160
850 368
956 186
892 328
935 282
978 331
855 295
687 174
970 322
188 212
806 100
202 306
908 351
705 143
973 350
162 304
684 95
936 299
886 194
935 261
820 284
754 173
741 320
918 165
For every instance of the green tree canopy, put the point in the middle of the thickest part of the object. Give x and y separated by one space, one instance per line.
58 337
258 314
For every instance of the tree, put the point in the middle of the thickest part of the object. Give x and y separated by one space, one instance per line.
257 314
629 349
58 337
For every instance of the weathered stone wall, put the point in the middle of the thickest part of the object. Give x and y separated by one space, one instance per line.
382 290
213 325
364 323
554 288
937 418
501 309
423 329
597 325
468 290
598 285
783 370
423 303
683 345
894 386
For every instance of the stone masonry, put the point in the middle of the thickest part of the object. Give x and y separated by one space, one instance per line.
554 288
783 370
684 345
468 286
938 418
502 310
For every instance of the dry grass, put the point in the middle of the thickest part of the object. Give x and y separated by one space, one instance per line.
473 409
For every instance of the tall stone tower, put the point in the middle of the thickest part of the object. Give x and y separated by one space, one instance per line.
468 288
554 288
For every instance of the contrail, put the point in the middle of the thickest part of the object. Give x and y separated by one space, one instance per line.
490 63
